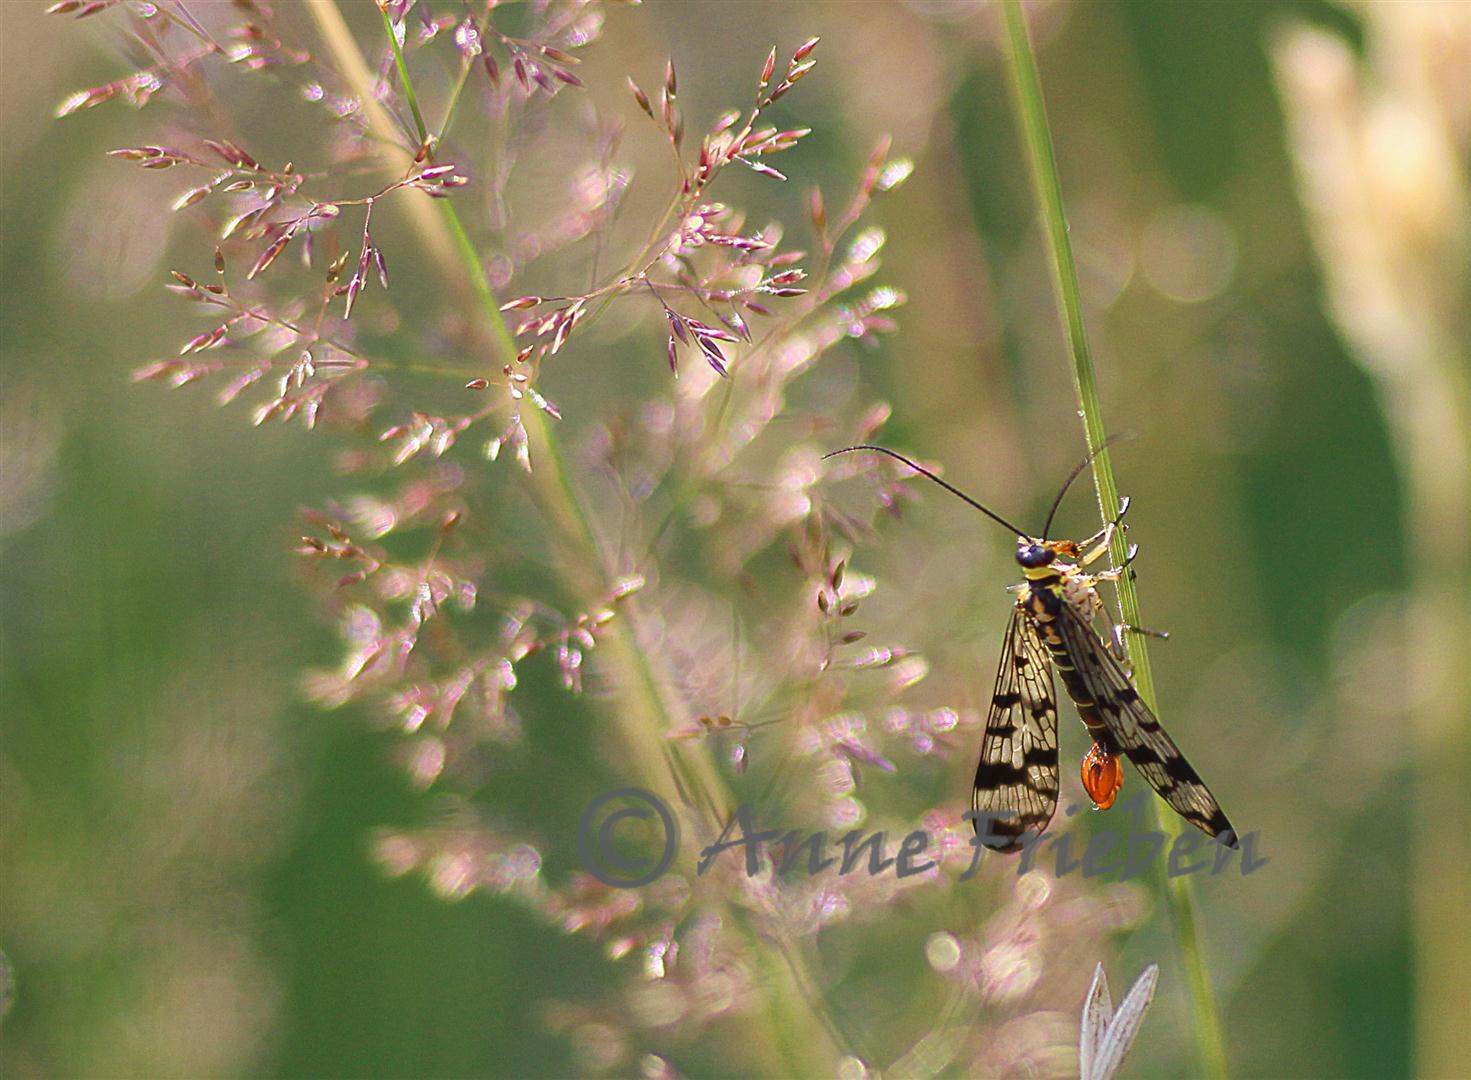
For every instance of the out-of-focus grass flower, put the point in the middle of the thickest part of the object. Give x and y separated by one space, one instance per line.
1379 144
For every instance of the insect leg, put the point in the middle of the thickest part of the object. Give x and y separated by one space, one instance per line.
1119 627
1113 573
1106 533
1100 540
1116 646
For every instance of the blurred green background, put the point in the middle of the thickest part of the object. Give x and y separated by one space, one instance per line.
187 881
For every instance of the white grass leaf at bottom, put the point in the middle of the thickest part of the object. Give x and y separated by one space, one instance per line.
1097 1012
1124 1026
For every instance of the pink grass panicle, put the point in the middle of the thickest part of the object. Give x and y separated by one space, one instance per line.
730 552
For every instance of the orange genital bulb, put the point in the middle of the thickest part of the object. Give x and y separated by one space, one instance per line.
1103 776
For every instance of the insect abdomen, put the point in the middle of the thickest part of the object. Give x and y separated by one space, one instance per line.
1077 688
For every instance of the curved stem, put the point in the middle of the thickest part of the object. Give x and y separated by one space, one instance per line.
796 1036
403 75
1027 101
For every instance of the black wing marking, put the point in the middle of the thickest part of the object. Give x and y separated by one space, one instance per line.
1016 780
1138 733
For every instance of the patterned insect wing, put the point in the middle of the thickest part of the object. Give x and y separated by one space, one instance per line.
1016 780
1138 734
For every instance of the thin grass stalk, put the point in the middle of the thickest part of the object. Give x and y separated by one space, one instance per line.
1031 117
403 74
797 1032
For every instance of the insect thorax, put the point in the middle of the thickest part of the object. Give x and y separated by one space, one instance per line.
1045 594
1079 594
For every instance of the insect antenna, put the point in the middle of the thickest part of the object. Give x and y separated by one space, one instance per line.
1122 436
943 483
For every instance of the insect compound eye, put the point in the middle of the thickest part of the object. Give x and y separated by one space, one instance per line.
1034 555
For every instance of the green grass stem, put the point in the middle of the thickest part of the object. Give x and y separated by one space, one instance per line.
1031 116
